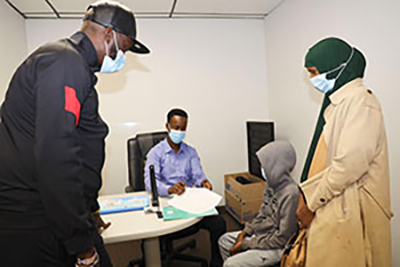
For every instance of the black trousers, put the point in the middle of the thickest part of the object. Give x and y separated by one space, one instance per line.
105 260
215 225
31 248
40 248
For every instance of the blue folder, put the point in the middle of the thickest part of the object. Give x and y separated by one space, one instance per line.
122 204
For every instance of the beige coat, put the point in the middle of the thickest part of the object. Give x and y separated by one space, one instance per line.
349 184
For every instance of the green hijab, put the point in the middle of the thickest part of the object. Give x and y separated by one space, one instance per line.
327 55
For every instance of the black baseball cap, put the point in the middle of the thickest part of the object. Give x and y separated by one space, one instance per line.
119 18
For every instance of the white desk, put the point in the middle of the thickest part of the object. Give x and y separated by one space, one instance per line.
136 225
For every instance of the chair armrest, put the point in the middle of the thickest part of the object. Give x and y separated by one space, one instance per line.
128 189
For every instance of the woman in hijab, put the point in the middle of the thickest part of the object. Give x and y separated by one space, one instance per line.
345 202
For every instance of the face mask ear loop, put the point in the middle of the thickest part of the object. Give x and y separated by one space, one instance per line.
105 43
115 40
346 63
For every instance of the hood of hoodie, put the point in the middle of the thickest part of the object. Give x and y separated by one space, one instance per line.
277 160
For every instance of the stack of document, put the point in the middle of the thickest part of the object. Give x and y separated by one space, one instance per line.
194 202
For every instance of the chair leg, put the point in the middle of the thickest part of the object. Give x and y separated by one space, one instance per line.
191 245
139 263
172 253
191 258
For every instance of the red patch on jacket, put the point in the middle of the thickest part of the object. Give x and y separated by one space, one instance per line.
72 103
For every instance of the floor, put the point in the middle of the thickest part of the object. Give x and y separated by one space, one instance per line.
122 253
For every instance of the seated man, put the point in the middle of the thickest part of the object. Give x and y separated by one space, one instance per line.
262 240
177 166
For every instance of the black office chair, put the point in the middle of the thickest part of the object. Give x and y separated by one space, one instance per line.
138 147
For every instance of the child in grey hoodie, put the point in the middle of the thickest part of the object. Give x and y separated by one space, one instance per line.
262 240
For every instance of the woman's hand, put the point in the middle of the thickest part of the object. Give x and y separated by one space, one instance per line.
304 215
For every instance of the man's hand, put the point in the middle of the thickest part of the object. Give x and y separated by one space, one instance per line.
90 257
206 184
304 215
177 188
238 245
101 225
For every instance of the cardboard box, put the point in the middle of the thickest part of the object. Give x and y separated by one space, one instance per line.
243 201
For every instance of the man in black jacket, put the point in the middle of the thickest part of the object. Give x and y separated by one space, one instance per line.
52 144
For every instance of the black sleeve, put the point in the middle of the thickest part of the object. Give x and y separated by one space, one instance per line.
93 203
59 89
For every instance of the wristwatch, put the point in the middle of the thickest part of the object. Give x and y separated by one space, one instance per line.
92 261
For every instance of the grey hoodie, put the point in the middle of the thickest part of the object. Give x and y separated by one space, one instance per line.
275 222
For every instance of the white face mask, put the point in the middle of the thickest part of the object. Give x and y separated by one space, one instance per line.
322 84
113 65
177 136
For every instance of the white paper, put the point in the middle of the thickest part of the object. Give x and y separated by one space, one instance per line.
196 200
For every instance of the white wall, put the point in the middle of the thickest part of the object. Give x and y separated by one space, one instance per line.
13 45
371 26
215 69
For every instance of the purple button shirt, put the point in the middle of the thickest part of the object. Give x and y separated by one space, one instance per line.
171 168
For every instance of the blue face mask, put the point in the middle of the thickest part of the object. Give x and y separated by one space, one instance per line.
322 84
263 174
177 136
113 65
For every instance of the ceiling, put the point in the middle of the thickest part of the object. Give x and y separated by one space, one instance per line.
74 9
